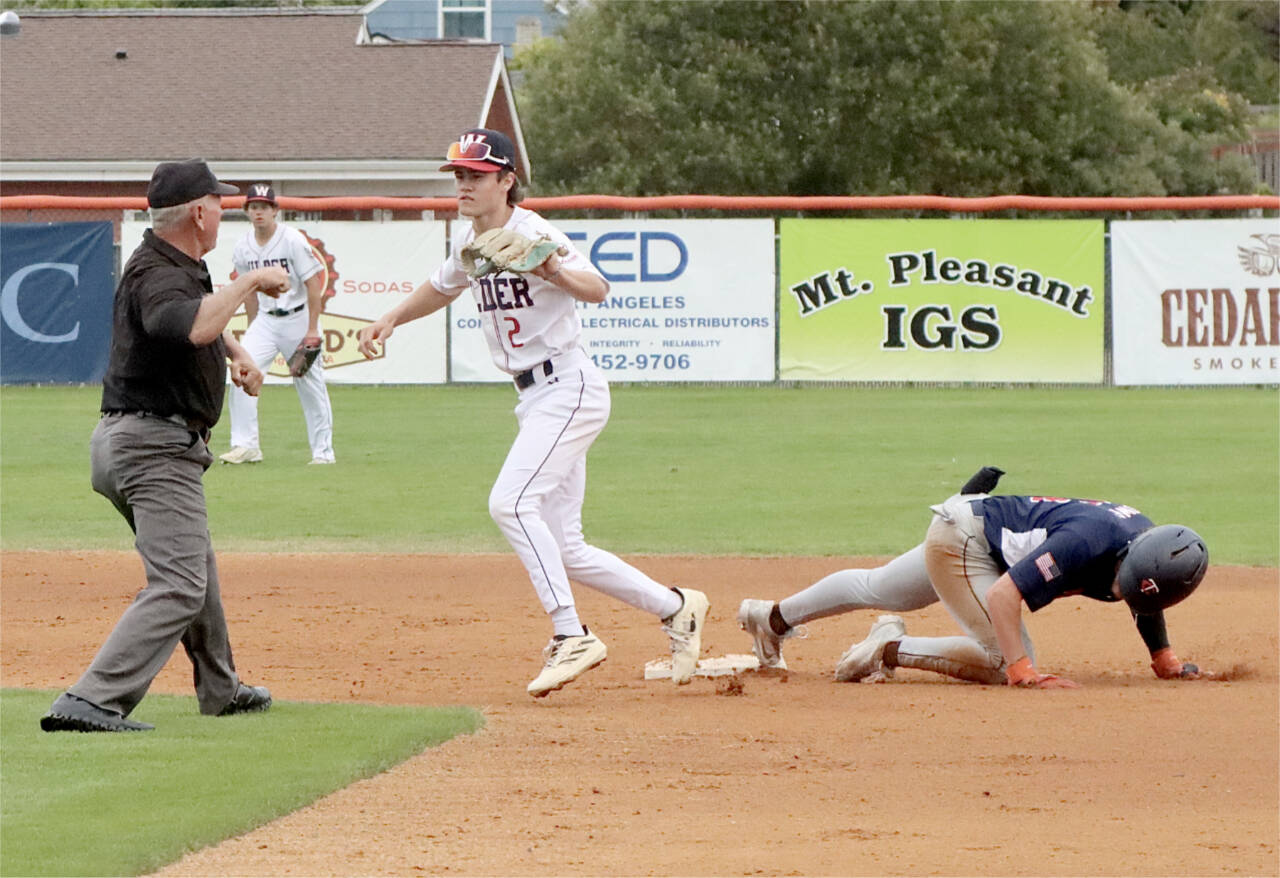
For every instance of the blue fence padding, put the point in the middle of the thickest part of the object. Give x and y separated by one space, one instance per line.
57 283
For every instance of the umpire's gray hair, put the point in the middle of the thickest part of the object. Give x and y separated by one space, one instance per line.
165 218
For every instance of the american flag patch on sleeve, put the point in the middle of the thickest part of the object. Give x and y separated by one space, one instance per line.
1048 567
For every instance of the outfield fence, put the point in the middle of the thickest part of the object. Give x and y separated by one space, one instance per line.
1007 289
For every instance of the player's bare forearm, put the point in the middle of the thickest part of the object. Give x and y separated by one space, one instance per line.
582 285
216 309
1004 602
426 299
315 295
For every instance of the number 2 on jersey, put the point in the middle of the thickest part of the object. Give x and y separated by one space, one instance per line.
511 333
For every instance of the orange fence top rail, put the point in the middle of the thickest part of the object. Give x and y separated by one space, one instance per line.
705 202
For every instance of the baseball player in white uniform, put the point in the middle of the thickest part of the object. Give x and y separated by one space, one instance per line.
532 329
280 325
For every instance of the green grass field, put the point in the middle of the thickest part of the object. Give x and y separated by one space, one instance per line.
714 470
682 470
128 804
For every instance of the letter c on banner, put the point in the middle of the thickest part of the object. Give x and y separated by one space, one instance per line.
9 302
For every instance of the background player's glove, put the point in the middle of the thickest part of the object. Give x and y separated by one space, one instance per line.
1021 673
983 481
504 250
1168 667
304 355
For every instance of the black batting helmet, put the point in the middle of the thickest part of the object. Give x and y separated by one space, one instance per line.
1161 567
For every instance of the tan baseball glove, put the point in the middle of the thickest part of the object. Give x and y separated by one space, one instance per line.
504 250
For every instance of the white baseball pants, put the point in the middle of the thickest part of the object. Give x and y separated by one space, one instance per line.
537 498
265 337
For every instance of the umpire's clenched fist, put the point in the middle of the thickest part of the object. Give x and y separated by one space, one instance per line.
272 280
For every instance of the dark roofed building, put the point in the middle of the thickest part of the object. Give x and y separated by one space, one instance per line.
92 100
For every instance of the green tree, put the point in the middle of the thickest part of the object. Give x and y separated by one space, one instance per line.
1237 41
814 98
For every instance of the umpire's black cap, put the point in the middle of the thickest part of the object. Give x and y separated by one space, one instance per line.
175 183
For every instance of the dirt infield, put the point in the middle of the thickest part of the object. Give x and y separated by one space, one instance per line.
792 775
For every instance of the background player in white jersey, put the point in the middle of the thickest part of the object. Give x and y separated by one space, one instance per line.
984 556
280 325
532 328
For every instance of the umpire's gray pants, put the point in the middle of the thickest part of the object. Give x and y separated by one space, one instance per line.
152 470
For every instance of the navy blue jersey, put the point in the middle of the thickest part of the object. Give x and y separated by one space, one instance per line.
1052 546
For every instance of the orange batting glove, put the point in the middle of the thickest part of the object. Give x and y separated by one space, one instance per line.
1022 673
1168 667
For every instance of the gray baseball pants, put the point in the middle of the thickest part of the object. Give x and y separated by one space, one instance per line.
152 469
952 565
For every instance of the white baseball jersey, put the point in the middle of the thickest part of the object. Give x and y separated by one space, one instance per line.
526 319
288 249
268 335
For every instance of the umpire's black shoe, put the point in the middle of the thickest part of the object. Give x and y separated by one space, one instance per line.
248 699
72 714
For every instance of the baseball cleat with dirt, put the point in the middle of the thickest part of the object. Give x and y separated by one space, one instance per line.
565 659
753 618
685 630
865 660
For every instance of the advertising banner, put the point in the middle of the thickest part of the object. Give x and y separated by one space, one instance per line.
941 300
369 268
58 284
690 300
1195 301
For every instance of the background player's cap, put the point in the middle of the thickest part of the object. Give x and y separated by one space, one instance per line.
174 183
481 149
261 192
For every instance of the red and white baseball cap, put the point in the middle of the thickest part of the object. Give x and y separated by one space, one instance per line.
481 149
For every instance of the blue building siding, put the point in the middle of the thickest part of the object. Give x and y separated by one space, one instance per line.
418 20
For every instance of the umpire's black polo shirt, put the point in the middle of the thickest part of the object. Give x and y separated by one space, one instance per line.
153 365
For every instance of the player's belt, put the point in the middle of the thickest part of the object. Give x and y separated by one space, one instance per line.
524 380
285 312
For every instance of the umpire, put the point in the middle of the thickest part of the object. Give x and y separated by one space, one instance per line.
161 395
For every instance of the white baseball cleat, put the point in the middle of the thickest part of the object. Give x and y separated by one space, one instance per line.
566 658
866 659
753 618
240 454
685 630
320 460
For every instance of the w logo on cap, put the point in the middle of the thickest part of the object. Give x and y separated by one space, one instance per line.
482 145
261 192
